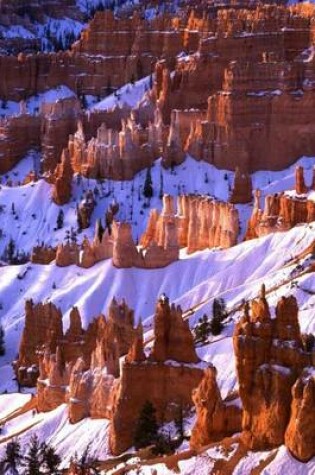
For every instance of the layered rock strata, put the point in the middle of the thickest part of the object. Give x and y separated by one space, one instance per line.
43 335
275 370
283 211
201 223
171 365
216 418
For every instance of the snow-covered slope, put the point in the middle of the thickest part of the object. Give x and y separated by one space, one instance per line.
31 224
33 104
192 282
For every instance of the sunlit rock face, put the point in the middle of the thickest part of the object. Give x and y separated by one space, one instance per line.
216 418
171 365
271 359
282 211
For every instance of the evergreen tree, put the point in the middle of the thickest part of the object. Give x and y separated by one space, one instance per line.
161 186
12 458
51 460
2 343
146 431
79 220
202 329
148 189
10 251
219 314
179 422
86 464
60 219
99 231
34 458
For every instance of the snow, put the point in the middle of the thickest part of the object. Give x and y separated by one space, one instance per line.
128 95
33 104
54 427
233 274
9 404
190 177
192 282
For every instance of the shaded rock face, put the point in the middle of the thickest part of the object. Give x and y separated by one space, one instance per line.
282 211
48 130
216 418
18 134
168 376
242 188
177 382
270 357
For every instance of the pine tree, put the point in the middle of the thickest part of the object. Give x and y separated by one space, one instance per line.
2 343
202 329
79 220
51 460
146 431
99 231
60 219
148 189
179 422
86 464
219 314
10 251
161 186
12 458
34 458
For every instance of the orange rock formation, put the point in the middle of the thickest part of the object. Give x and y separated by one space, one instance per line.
282 211
270 360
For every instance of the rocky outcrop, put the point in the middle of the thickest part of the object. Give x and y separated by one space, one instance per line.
216 418
48 129
58 122
115 154
270 357
300 433
282 211
242 188
85 210
200 223
247 97
18 134
43 333
172 337
43 254
43 328
52 382
153 255
171 366
62 180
